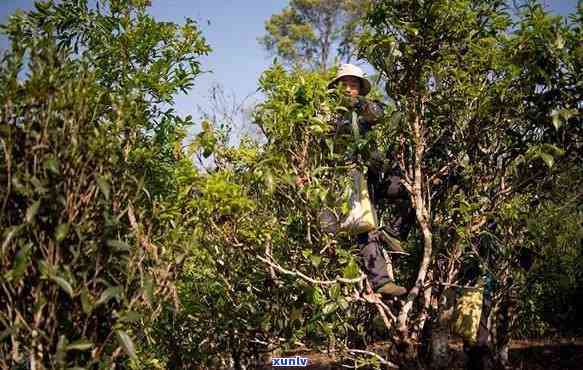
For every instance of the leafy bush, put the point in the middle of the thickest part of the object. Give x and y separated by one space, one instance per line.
81 130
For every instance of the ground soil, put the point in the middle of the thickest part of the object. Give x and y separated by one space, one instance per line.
556 354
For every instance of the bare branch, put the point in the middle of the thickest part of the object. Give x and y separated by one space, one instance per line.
443 171
309 279
453 285
268 254
383 309
376 355
389 264
149 247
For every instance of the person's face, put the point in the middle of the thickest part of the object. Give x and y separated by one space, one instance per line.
350 85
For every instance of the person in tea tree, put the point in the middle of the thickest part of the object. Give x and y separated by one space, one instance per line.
382 178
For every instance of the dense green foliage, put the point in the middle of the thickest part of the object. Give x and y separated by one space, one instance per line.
252 206
491 114
86 156
114 245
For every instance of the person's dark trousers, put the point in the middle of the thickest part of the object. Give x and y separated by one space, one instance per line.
373 259
370 243
405 219
389 187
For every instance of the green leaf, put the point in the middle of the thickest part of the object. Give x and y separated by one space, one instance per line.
61 349
7 332
61 232
567 114
86 301
130 316
148 288
21 261
316 129
104 186
64 284
296 314
118 245
326 328
269 184
38 185
555 115
330 145
343 303
52 165
108 294
9 234
335 291
80 345
548 159
329 308
553 150
351 270
560 116
32 211
315 260
126 342
559 42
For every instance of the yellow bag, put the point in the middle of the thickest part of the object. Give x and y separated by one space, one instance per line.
466 321
362 216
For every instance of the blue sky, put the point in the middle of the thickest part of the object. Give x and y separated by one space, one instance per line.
231 27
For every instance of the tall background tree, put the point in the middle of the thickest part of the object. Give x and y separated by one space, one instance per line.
313 33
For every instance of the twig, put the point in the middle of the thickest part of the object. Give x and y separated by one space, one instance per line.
397 252
368 299
376 355
309 279
8 175
268 254
388 264
573 200
149 247
455 285
383 309
255 340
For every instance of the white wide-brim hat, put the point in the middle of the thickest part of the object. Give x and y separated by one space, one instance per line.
351 70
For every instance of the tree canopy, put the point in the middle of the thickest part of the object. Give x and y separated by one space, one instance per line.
312 33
